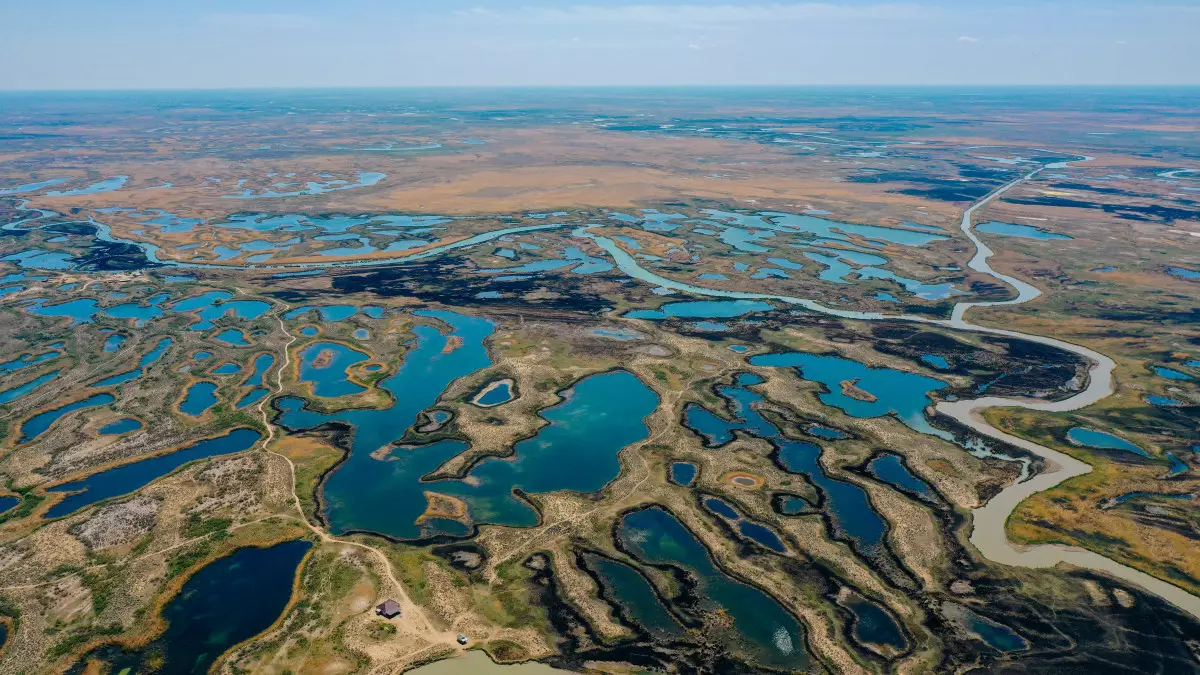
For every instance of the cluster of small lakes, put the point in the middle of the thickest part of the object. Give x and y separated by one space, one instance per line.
598 416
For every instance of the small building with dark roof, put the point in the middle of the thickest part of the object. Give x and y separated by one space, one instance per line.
388 609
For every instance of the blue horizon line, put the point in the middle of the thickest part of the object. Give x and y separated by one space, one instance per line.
587 87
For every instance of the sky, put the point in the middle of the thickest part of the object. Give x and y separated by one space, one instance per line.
157 44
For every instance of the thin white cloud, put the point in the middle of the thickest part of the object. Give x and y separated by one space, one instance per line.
694 47
967 39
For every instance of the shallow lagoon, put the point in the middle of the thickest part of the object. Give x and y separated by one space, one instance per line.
904 394
1090 438
702 309
131 477
200 397
775 638
122 426
386 496
146 361
330 379
354 492
227 602
846 504
634 595
38 424
10 395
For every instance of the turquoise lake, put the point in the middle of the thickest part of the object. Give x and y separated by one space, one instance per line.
330 379
905 395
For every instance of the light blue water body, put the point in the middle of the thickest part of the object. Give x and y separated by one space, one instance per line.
788 264
253 396
1171 374
890 469
262 363
740 349
146 361
310 331
114 342
9 290
15 393
40 260
331 379
768 272
200 356
573 257
501 393
361 334
107 185
1178 466
634 595
122 426
996 635
775 638
618 333
1023 231
846 504
936 360
709 326
797 223
1090 438
826 433
365 179
712 277
1164 401
26 360
921 290
38 424
32 187
200 397
1184 273
227 369
140 313
601 415
834 271
684 473
232 337
905 395
6 503
132 477
707 309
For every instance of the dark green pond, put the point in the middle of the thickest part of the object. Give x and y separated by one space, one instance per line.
634 595
767 633
229 601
